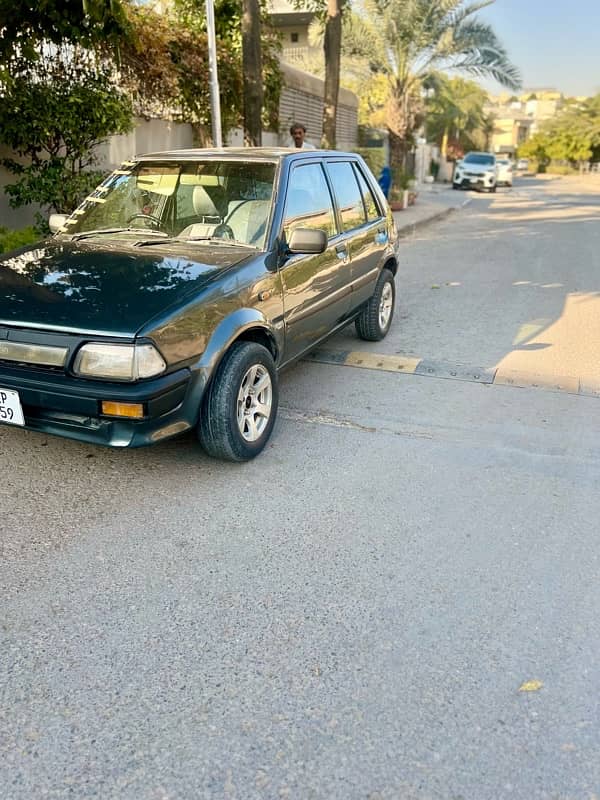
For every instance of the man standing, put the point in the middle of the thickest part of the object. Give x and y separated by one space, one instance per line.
298 132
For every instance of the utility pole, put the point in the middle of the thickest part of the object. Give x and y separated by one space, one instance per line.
215 99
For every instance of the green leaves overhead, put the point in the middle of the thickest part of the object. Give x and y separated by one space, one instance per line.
24 24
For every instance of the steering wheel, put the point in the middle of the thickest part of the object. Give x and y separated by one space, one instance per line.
223 231
158 223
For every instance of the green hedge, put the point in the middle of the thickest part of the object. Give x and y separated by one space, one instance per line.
375 158
561 169
12 240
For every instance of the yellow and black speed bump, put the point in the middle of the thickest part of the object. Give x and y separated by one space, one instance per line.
402 363
366 360
425 367
457 372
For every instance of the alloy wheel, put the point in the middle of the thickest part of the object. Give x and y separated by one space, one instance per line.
254 402
385 305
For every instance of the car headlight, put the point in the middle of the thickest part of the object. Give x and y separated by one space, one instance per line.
119 362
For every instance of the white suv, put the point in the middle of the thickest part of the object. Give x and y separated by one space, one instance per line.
505 172
476 171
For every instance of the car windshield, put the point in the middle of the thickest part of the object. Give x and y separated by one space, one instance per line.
201 201
478 158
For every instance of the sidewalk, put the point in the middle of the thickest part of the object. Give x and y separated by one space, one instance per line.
434 202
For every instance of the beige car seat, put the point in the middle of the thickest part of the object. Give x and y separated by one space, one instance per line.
208 213
248 220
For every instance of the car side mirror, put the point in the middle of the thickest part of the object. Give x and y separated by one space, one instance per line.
307 241
56 222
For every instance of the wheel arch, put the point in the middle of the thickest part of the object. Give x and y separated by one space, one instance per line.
391 263
260 335
244 324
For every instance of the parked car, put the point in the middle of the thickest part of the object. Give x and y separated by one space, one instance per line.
173 296
523 165
476 171
504 175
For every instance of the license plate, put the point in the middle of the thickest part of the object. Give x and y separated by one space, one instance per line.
10 407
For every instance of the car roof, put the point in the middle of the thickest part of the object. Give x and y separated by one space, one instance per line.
479 153
240 153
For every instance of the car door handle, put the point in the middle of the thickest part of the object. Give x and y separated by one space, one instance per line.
342 251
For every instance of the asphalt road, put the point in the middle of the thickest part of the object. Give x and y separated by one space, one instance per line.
353 614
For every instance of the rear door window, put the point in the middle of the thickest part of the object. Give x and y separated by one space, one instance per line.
371 206
348 194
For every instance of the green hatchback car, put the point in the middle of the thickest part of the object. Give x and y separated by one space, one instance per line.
173 296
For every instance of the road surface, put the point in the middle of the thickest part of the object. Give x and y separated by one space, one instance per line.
399 599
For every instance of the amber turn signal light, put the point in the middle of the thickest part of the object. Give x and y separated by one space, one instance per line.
130 410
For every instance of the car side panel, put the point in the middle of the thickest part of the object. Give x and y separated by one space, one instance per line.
251 290
316 295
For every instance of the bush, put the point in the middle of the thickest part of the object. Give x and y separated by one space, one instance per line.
402 180
374 157
12 240
53 113
561 169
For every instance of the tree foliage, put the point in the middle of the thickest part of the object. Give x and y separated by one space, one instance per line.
53 112
24 24
228 29
164 66
69 70
455 113
572 136
536 148
410 40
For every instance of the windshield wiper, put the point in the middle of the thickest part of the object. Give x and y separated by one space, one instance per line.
194 239
107 231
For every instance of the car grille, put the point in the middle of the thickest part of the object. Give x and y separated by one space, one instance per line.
36 355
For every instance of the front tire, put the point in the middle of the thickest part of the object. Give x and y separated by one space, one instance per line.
240 405
376 317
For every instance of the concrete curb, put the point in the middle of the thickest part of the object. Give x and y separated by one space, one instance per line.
410 228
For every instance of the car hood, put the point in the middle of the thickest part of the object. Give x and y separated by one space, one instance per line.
79 286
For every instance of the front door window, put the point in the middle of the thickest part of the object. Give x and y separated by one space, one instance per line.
309 203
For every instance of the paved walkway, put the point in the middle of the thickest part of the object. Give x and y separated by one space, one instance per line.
434 201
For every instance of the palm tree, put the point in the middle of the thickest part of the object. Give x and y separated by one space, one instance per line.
455 110
410 40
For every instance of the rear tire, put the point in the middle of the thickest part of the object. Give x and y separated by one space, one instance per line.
240 405
376 317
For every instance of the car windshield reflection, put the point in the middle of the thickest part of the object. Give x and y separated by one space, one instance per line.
197 201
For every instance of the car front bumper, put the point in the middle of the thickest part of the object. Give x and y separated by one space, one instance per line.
475 182
66 406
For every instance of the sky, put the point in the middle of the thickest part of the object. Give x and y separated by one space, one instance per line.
554 44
